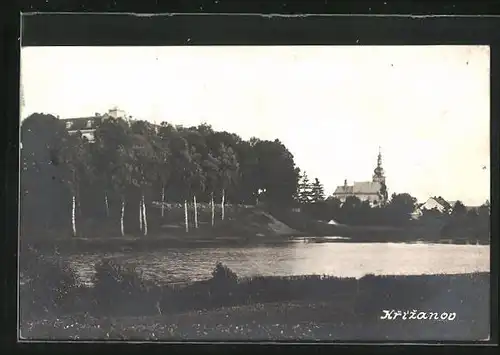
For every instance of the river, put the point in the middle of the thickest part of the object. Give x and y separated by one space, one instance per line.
337 259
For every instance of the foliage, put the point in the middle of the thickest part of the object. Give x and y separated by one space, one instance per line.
222 273
471 224
318 192
132 160
304 193
128 160
117 286
459 210
309 192
48 285
128 295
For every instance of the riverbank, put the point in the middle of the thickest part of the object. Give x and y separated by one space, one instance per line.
137 244
120 244
244 226
124 304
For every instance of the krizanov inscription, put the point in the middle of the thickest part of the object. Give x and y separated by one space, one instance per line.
417 315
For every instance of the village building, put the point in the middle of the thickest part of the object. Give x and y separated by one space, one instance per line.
87 125
374 191
440 205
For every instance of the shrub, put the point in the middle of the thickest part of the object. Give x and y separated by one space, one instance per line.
223 273
48 284
117 286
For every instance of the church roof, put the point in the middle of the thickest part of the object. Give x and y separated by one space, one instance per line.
343 190
366 187
359 188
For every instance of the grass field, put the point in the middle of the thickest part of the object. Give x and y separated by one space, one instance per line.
123 306
320 321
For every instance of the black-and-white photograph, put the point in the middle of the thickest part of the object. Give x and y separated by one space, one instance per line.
255 193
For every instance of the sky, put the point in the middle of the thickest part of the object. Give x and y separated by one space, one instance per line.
427 107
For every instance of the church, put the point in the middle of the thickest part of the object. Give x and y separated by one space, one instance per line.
374 191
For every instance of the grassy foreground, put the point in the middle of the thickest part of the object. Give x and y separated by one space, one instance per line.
123 306
287 321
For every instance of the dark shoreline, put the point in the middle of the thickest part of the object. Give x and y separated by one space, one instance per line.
275 308
145 243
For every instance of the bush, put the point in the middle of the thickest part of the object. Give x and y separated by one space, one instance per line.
117 286
48 284
222 273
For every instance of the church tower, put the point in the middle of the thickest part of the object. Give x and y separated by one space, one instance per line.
379 176
378 173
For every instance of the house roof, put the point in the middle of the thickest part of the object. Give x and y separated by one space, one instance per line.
442 202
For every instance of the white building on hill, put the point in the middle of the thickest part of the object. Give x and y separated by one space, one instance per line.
87 125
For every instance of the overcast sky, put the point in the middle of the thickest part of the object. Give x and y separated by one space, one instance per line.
332 106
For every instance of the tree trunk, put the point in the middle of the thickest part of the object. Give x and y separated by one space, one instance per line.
140 214
144 216
222 204
213 209
78 203
106 203
195 212
163 201
73 217
186 216
122 216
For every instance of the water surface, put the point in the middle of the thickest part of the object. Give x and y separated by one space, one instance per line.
337 259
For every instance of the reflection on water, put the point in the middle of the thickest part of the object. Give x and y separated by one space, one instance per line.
338 259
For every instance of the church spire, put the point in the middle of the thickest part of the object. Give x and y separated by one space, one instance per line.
378 173
379 176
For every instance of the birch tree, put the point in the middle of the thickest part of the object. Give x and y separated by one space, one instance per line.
228 172
211 171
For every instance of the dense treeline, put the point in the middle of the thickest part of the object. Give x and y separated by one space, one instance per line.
457 222
69 183
66 179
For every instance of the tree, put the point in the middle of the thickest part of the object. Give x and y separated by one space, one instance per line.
364 213
459 210
484 209
303 188
228 171
163 166
196 179
75 160
401 207
276 171
249 180
114 138
383 194
181 171
42 175
211 168
349 209
334 204
144 173
317 191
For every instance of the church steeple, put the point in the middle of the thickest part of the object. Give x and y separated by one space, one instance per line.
378 173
